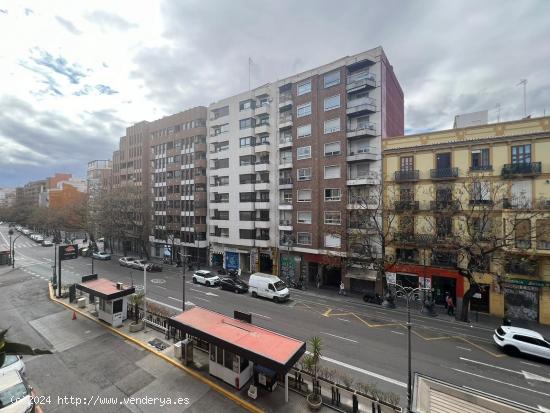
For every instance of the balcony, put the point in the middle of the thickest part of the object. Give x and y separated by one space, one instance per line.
285 121
285 100
262 128
521 266
406 206
513 170
285 182
523 244
404 238
449 205
367 178
361 129
285 141
361 105
406 176
366 153
285 204
481 202
407 256
521 203
285 163
261 110
444 259
361 80
481 168
444 173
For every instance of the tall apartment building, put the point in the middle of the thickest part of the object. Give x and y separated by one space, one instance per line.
177 149
98 175
29 194
475 185
7 197
287 158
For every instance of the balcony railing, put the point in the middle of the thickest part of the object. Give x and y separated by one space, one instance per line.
363 150
475 168
444 259
444 205
285 181
523 267
481 202
359 104
406 205
526 168
508 203
404 176
285 222
285 139
444 173
220 200
360 77
363 126
404 237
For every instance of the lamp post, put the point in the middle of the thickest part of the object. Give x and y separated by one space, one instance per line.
184 258
12 248
408 293
11 233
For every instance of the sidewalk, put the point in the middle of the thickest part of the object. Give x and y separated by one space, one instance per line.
226 398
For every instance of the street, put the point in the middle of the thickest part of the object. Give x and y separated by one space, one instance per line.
367 342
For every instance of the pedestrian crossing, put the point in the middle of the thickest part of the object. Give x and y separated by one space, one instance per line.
20 244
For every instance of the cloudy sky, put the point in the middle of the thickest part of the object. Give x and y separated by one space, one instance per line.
74 74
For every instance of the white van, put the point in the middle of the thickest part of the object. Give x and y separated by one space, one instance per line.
268 286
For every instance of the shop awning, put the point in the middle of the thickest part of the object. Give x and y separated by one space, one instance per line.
105 289
361 274
264 347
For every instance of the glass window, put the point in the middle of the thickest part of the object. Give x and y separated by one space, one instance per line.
332 241
407 163
303 152
304 87
332 78
304 238
247 123
248 141
247 104
332 194
303 110
333 218
332 172
480 159
219 355
228 360
304 174
304 131
332 148
332 102
218 113
332 125
304 217
304 195
521 154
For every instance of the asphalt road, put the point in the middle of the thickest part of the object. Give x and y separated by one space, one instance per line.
366 342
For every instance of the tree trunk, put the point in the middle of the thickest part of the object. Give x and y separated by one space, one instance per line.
464 311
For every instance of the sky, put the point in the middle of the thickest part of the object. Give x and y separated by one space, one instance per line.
74 75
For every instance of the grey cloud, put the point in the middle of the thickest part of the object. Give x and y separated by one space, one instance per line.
59 65
5 11
68 25
450 57
109 20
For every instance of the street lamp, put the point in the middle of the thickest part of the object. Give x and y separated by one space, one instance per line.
184 264
408 293
12 248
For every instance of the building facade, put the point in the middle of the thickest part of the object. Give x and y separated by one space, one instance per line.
30 194
440 185
7 197
98 177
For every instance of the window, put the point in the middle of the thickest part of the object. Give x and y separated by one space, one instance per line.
303 110
304 87
332 125
333 218
332 241
481 192
331 79
286 197
304 174
304 131
303 152
248 141
228 360
332 102
218 113
247 104
247 160
247 123
332 172
247 215
332 148
304 238
523 233
304 217
480 160
407 163
332 194
304 195
521 154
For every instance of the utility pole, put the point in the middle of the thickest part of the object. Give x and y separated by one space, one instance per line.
524 83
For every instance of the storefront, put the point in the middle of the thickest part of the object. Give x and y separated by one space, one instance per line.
323 270
240 350
360 280
522 299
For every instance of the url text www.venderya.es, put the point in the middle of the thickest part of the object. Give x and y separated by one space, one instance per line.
96 400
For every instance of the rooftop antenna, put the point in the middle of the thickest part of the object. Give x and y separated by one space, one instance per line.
498 112
524 83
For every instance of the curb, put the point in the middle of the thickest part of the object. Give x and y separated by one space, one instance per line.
241 402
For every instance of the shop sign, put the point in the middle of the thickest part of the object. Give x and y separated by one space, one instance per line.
68 252
531 283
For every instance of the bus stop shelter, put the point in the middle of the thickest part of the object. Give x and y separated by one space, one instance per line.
238 349
113 299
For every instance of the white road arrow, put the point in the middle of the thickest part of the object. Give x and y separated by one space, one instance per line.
533 376
543 409
526 374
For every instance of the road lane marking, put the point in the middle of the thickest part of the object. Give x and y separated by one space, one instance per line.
464 348
528 375
261 315
366 372
166 305
202 299
398 332
529 364
344 320
158 286
501 382
341 338
204 292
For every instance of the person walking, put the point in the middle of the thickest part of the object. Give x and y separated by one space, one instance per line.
450 306
342 289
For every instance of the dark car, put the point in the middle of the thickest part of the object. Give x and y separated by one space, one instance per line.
232 284
154 267
85 252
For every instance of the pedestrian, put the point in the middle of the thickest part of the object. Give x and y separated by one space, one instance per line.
450 306
342 290
446 300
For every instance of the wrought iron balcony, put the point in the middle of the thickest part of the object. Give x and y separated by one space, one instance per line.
444 173
406 205
511 170
481 168
444 258
521 266
407 256
404 237
487 202
444 205
404 176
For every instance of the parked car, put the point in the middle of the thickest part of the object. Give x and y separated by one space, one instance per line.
12 362
15 393
232 284
126 261
85 252
516 340
206 278
101 256
154 267
48 243
38 238
268 286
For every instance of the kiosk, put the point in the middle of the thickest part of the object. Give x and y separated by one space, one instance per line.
113 299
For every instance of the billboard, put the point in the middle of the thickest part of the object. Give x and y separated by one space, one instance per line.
68 252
